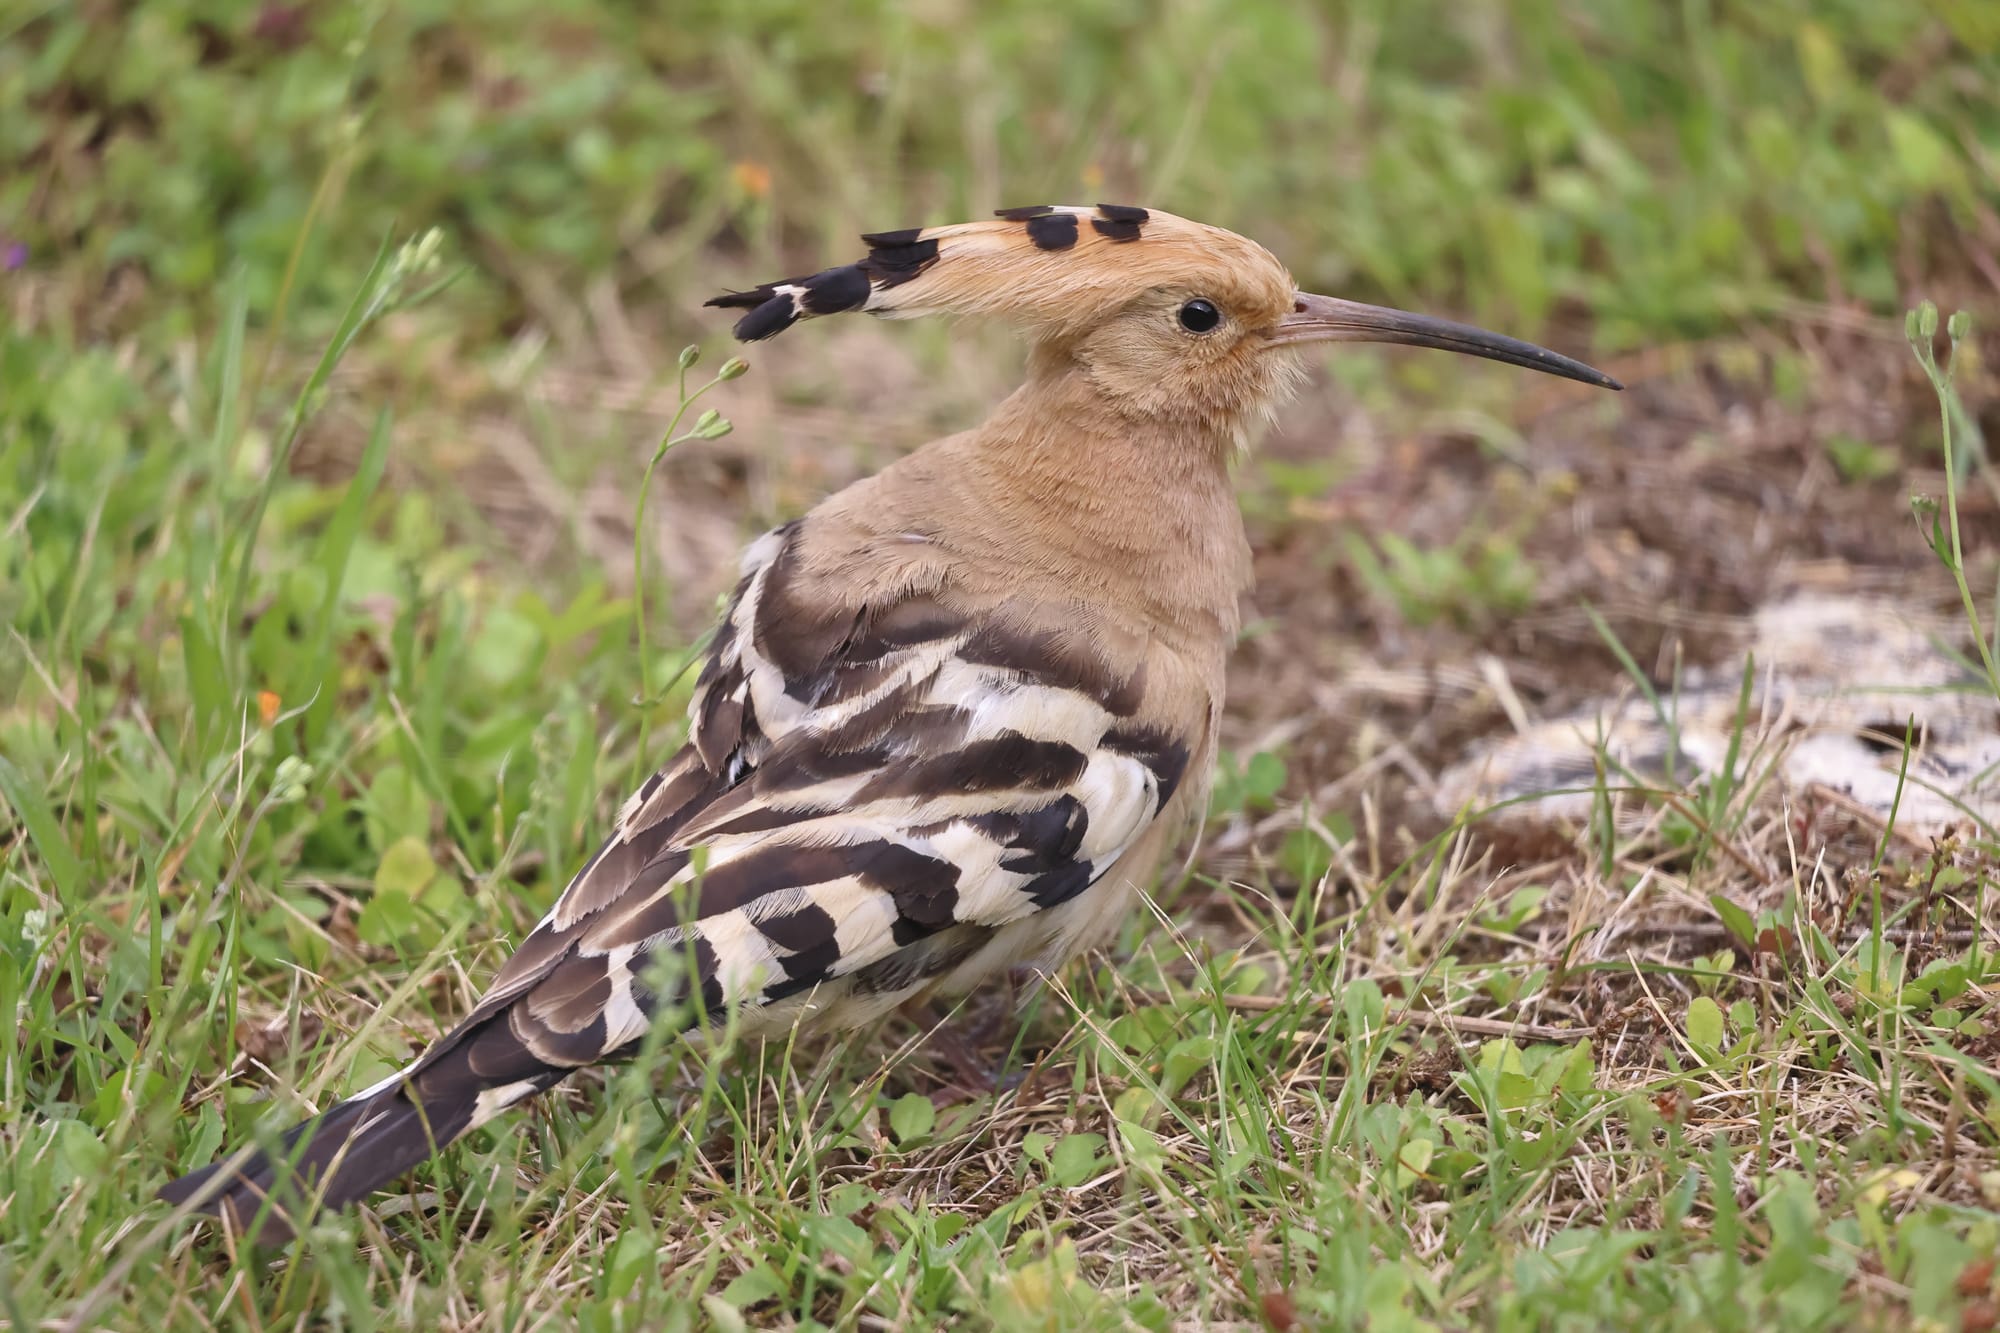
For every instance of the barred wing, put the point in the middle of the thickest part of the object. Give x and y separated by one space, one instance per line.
856 784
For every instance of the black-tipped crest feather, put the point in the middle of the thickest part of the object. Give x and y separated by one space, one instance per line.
897 257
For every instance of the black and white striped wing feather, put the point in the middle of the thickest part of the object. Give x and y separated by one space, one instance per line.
854 787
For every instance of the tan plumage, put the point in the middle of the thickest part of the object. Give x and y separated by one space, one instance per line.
953 717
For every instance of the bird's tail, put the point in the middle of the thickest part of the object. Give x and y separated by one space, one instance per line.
367 1141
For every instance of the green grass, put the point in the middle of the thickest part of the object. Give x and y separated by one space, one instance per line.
302 722
1663 169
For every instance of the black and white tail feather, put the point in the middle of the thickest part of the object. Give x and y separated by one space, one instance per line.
890 793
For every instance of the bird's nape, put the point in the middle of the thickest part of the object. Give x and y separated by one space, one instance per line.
1331 319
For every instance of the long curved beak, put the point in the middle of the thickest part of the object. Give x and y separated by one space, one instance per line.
1330 319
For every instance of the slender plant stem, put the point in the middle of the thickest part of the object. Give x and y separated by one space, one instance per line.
1957 547
1940 378
669 441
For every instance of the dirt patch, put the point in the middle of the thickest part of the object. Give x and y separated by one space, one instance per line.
1675 510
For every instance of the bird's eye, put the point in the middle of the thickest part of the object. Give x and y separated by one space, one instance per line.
1199 316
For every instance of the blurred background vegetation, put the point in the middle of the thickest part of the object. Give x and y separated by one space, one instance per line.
1664 170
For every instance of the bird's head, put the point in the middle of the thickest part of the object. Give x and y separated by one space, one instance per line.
1169 318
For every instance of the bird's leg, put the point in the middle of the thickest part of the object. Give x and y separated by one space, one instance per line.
959 1047
1021 980
970 1073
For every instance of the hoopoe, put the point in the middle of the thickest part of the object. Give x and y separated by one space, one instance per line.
951 719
